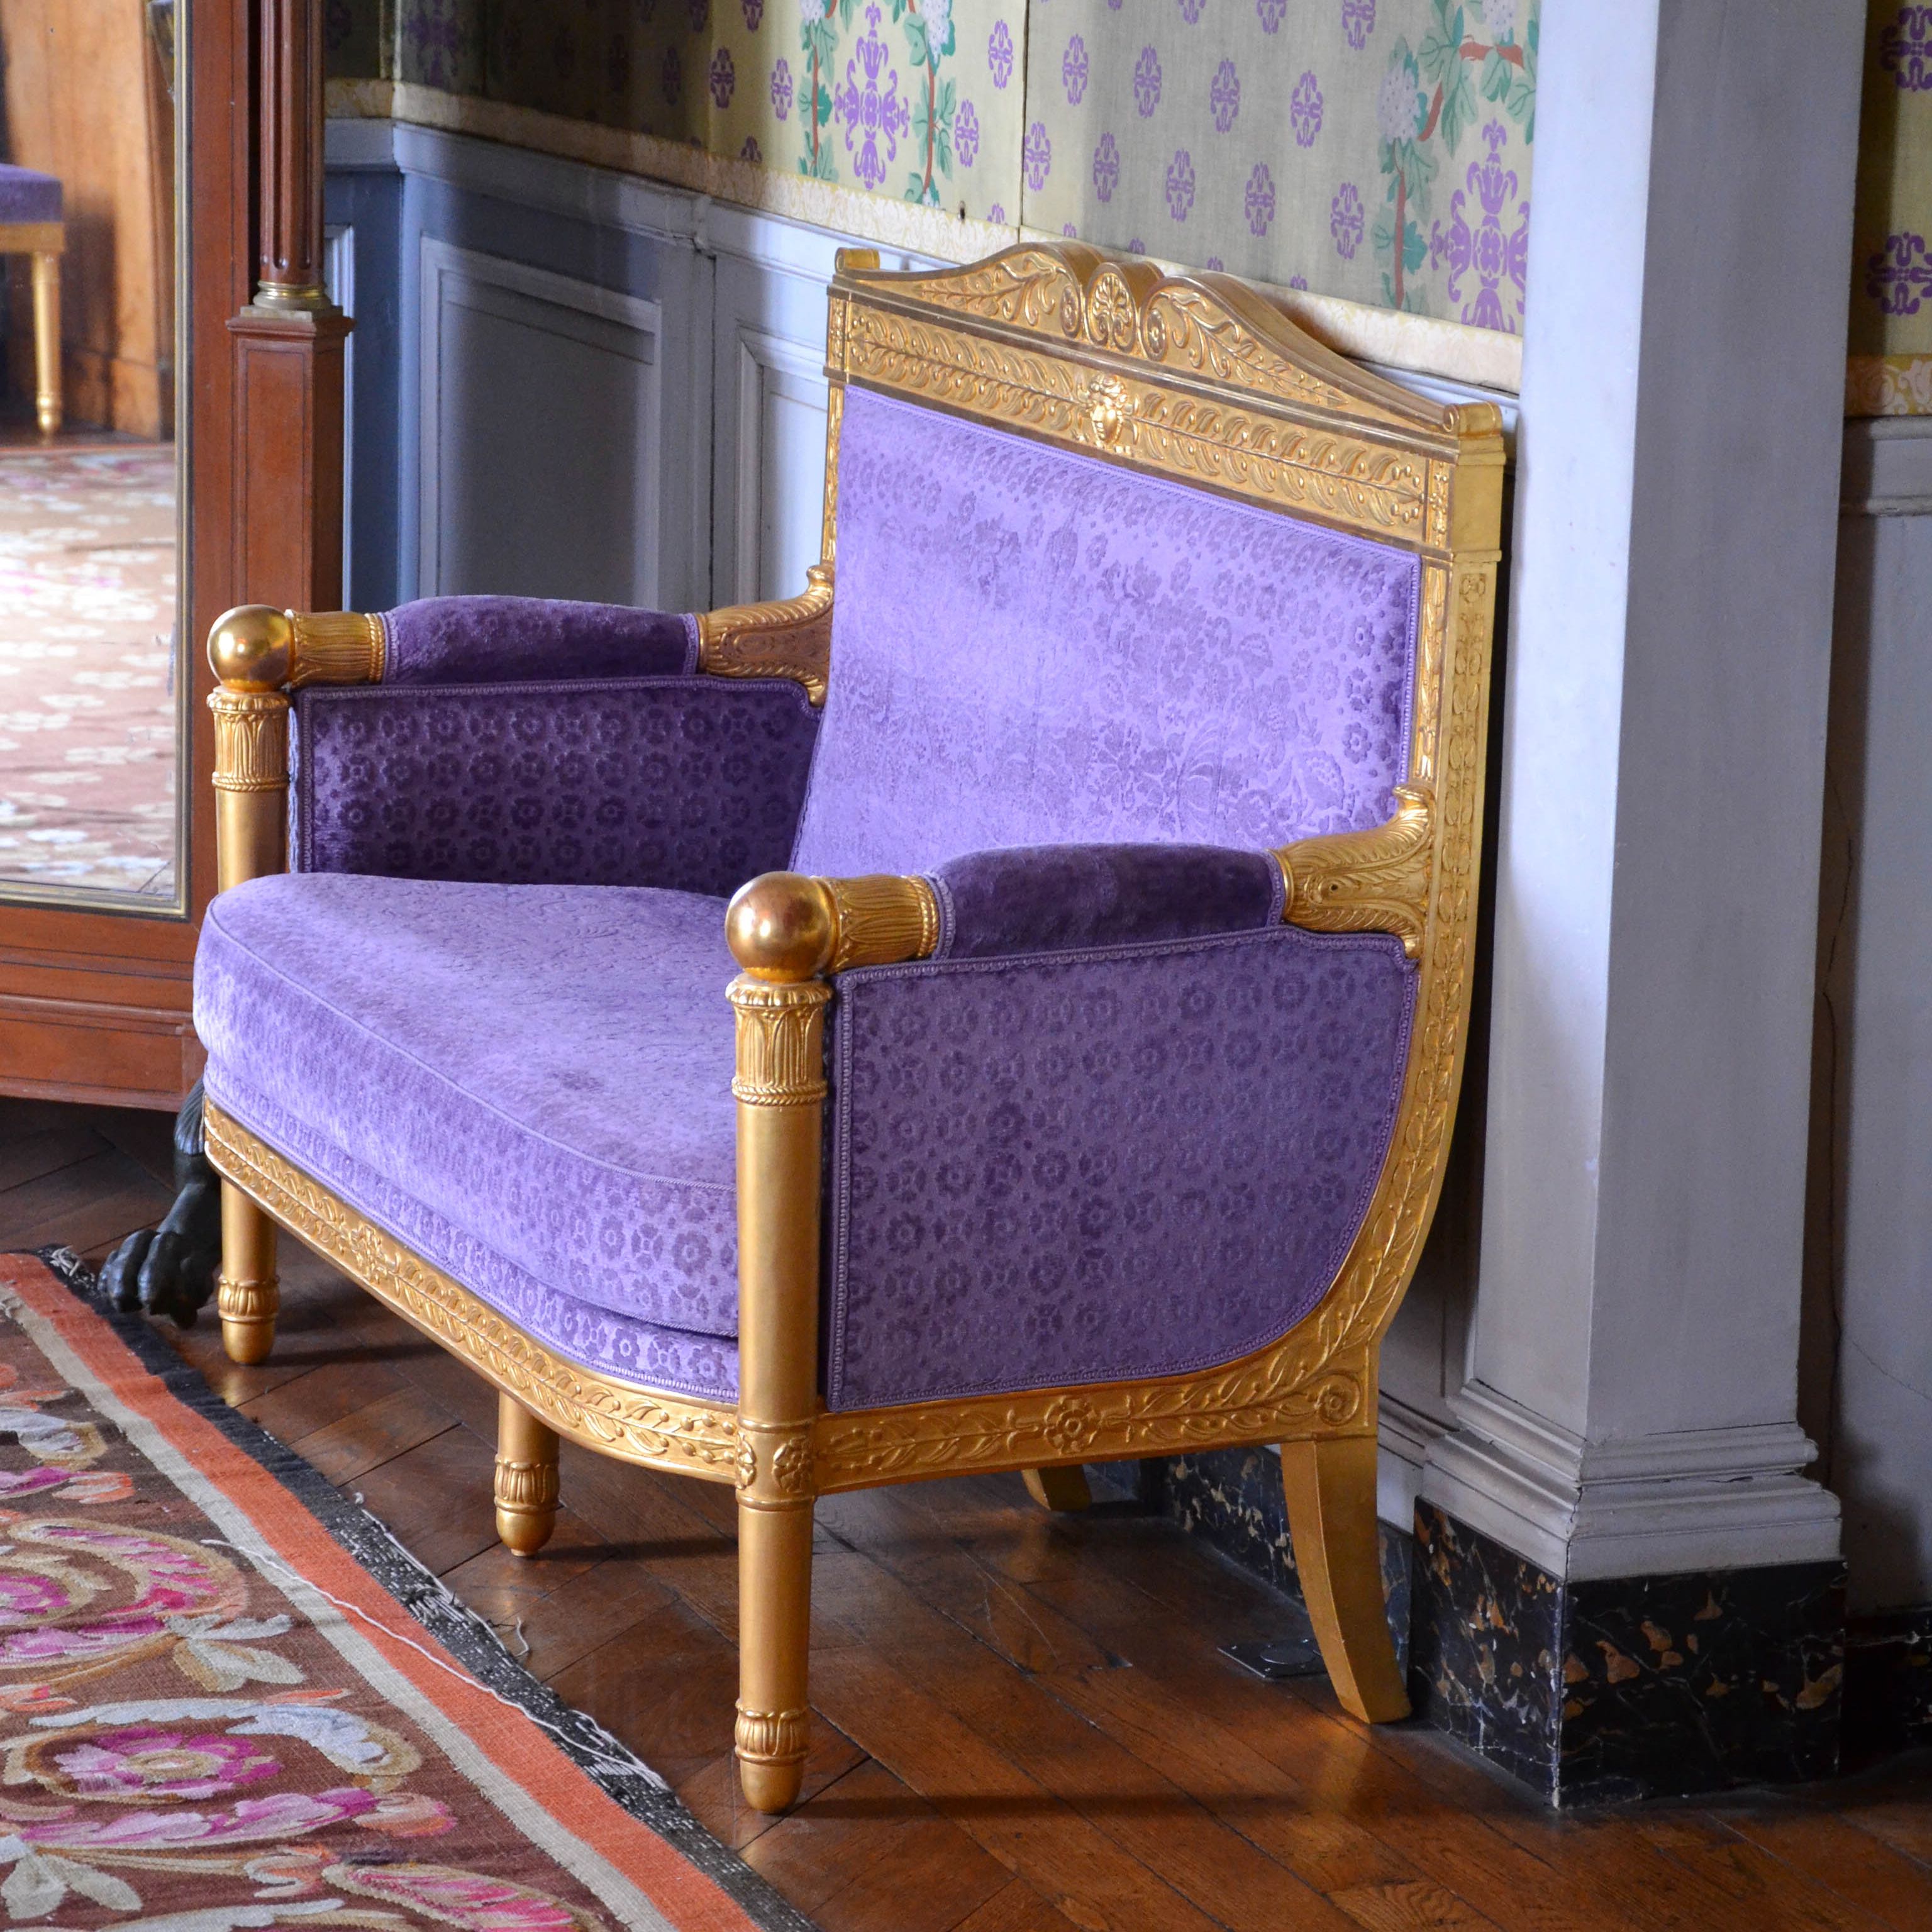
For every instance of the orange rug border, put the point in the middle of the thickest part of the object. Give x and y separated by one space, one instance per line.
512 1741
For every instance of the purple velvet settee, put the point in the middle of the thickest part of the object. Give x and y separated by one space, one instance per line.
1005 1015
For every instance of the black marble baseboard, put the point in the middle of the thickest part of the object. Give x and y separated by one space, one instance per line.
1593 1692
1617 1688
1888 1682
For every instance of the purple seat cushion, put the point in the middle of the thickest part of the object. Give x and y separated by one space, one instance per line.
26 196
543 1073
1032 646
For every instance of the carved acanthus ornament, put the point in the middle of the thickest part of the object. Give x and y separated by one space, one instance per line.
780 1036
337 647
1273 457
881 919
791 638
1373 881
251 739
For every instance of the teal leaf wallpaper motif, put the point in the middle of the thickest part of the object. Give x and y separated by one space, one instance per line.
1376 150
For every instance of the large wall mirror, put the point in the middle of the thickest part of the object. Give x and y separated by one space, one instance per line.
94 687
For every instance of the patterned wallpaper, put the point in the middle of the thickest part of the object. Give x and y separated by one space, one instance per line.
1891 367
918 100
1377 150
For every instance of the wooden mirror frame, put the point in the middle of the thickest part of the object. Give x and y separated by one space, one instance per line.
94 1006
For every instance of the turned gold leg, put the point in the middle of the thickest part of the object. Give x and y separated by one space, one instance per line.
47 340
774 1636
1062 1489
1330 1487
780 1085
526 1483
246 1296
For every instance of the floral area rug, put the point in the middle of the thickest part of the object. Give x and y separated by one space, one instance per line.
89 723
228 1700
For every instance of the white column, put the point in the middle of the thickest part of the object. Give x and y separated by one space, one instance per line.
1631 1402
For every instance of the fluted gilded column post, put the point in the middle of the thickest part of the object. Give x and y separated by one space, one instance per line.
251 649
781 930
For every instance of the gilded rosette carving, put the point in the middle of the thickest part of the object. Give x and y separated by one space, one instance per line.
337 647
774 1462
881 919
1373 881
692 1437
781 1041
791 638
251 739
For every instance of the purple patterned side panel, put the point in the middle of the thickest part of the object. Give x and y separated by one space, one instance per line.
1055 899
1031 646
547 1069
501 640
1101 1166
694 784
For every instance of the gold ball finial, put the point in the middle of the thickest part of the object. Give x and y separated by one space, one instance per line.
252 647
782 926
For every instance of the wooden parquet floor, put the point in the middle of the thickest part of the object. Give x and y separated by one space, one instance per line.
1024 1723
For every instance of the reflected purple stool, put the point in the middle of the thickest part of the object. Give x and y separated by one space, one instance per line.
31 224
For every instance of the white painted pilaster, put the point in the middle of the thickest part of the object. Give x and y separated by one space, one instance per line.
1632 1396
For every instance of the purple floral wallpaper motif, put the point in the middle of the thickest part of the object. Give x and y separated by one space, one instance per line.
1224 97
1890 368
723 77
1905 48
1180 185
1492 255
875 118
1304 110
1073 69
1344 220
1000 54
1899 278
1106 167
1259 200
1038 155
1380 149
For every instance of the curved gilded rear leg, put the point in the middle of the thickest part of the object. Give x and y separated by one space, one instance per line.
1062 1489
1330 1487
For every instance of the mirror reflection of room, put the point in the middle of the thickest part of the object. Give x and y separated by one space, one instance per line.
89 721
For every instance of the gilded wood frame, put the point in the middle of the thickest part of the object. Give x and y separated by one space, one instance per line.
1196 379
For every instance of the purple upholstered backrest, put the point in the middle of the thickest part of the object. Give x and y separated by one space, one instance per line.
1032 646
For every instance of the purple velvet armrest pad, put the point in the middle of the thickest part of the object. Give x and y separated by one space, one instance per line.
691 783
500 640
1055 898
